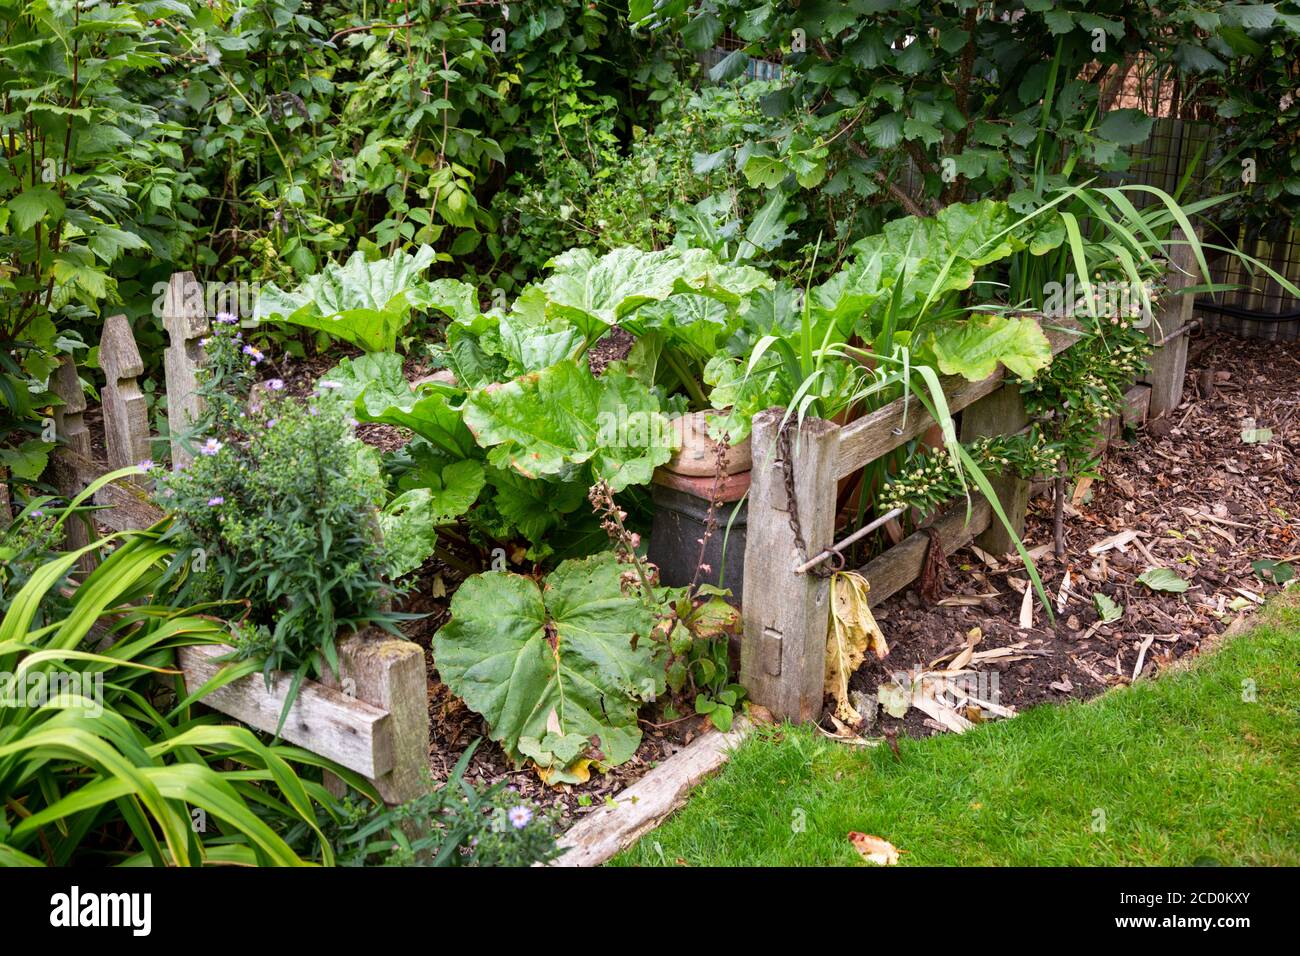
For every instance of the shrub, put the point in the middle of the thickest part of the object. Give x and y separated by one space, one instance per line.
278 512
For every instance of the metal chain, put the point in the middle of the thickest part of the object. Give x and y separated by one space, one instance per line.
826 569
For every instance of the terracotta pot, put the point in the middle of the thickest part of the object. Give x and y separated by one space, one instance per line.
697 452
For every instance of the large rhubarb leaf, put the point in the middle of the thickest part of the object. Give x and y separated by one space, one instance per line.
931 257
410 521
377 387
543 421
593 291
361 302
973 347
557 672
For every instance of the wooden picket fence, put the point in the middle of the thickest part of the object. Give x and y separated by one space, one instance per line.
372 716
786 610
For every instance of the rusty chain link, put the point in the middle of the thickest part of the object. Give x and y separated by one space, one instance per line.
836 562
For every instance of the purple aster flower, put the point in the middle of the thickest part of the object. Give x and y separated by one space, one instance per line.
210 447
226 318
216 500
326 383
38 513
270 422
146 465
253 353
519 817
275 384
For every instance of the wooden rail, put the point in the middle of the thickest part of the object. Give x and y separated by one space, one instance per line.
371 717
786 613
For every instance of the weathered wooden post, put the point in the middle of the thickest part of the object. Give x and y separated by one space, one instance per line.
74 452
6 512
389 673
1168 364
1000 413
186 323
126 414
786 614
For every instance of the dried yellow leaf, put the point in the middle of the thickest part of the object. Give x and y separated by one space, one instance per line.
853 629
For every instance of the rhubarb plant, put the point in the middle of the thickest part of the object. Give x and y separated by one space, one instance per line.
558 670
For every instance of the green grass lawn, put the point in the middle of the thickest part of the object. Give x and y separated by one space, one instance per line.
1183 769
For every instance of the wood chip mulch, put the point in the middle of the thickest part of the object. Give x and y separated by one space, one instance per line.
1205 504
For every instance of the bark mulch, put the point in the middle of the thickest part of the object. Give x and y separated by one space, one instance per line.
1204 503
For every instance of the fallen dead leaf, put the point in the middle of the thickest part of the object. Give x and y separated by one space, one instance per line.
874 849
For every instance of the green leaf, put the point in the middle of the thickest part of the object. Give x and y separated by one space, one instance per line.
542 422
1127 127
1277 572
930 256
1162 579
361 302
886 132
764 172
410 521
32 205
974 347
594 291
1107 610
558 660
377 388
28 460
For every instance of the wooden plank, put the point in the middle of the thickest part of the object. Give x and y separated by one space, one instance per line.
185 320
898 567
1000 413
126 413
644 805
1168 365
885 429
783 653
389 673
1137 404
125 505
350 732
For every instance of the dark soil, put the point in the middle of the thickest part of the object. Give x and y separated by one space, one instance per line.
1207 505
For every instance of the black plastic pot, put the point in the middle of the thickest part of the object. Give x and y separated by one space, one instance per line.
679 525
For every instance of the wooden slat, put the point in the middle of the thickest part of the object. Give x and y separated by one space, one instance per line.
350 732
898 567
126 505
1000 413
642 806
885 429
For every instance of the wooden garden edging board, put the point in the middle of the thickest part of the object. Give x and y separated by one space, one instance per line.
786 612
644 805
323 720
372 716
